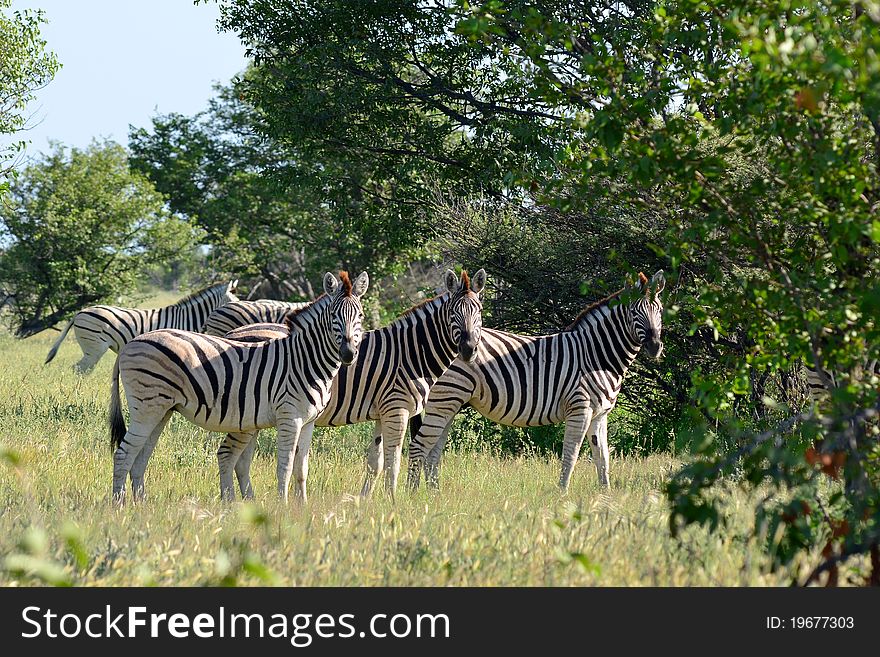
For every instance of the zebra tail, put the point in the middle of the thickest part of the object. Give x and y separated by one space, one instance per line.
54 349
117 421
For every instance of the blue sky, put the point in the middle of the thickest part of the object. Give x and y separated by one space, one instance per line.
123 61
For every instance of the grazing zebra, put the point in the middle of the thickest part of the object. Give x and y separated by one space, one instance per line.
99 328
230 386
524 381
389 383
231 316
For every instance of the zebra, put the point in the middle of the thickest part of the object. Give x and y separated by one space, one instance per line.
226 385
819 383
573 376
389 383
231 316
98 328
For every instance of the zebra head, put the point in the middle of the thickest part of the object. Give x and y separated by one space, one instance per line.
229 293
466 310
647 312
346 312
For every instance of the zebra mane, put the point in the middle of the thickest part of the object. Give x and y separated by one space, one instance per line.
419 306
298 318
198 294
591 308
465 286
346 283
643 280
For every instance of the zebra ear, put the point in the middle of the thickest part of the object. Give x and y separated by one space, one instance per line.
233 285
450 280
330 284
360 284
478 281
658 282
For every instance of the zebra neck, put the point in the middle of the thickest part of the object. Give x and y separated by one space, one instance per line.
609 340
312 337
433 338
314 313
192 313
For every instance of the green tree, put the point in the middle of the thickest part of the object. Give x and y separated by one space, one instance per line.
741 140
25 67
269 209
80 228
757 121
394 89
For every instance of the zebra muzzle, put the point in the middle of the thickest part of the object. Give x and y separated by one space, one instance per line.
347 354
466 350
654 348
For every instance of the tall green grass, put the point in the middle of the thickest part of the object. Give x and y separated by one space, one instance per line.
497 521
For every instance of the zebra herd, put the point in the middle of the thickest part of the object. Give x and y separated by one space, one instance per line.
238 366
99 328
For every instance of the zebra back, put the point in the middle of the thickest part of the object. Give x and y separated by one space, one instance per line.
258 332
237 314
116 325
398 363
229 385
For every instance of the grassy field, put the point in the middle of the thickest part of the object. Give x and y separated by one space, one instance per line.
496 522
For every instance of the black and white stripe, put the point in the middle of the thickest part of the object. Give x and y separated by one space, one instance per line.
237 387
236 314
820 385
392 377
99 328
574 376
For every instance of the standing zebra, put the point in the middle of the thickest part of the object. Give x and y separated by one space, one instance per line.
389 383
229 386
99 328
231 316
524 381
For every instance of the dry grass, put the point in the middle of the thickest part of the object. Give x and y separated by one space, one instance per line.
496 522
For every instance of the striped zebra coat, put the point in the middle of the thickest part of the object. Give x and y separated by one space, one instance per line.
819 384
390 381
99 328
229 386
235 314
574 376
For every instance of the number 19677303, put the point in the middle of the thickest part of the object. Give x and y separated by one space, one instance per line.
810 623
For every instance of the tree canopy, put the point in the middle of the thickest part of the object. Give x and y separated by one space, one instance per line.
738 142
269 209
80 227
25 66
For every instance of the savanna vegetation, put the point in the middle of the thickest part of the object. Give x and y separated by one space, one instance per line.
562 146
499 520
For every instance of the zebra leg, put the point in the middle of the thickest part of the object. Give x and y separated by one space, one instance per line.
393 431
375 460
289 428
598 433
230 452
243 468
301 461
135 438
575 430
139 468
432 462
92 350
228 455
434 429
